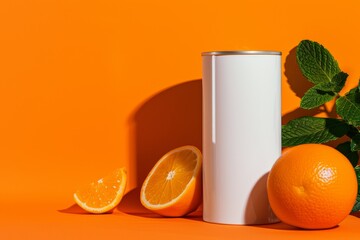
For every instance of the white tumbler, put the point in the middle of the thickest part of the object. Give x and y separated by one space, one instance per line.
241 134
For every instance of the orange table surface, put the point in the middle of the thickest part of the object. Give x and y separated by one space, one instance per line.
60 220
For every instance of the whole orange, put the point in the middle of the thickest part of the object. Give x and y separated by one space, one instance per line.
312 186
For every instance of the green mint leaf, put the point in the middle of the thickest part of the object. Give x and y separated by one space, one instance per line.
345 149
357 202
315 62
355 143
314 98
348 107
312 130
337 83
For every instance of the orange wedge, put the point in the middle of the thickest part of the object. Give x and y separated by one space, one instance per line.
104 194
173 186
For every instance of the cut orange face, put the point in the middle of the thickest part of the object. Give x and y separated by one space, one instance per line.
103 195
173 186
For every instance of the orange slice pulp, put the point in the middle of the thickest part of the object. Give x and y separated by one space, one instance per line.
103 195
173 186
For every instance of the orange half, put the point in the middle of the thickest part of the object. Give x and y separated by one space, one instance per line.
104 194
173 186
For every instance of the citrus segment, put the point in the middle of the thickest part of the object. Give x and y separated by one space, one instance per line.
104 194
312 186
173 186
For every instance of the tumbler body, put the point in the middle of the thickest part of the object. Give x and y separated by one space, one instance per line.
241 134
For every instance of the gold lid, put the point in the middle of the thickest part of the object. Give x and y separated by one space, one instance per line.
251 52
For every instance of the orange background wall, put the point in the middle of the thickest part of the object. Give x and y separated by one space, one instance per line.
87 86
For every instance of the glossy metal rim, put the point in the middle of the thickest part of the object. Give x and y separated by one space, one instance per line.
255 52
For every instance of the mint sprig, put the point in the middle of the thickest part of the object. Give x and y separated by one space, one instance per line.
320 68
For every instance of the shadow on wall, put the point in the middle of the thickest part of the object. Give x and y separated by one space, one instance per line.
170 119
299 85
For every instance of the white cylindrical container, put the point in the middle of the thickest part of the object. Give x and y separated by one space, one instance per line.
241 134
